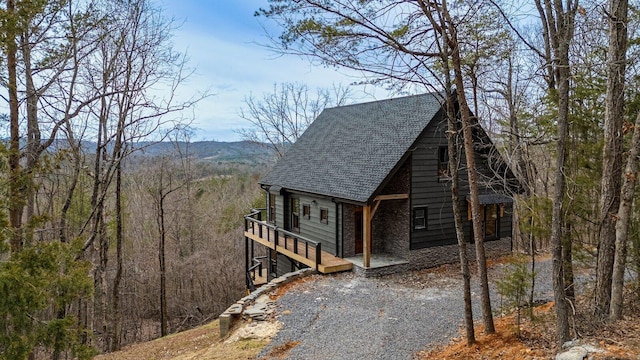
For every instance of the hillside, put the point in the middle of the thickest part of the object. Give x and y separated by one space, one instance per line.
220 152
618 340
244 152
201 343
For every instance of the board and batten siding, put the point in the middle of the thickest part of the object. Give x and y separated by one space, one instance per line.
427 190
430 191
280 210
312 228
315 230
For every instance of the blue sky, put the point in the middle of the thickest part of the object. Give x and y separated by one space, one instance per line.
222 39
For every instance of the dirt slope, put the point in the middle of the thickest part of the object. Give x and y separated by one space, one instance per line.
202 343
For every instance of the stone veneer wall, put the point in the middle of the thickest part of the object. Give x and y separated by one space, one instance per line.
390 224
348 234
448 254
391 229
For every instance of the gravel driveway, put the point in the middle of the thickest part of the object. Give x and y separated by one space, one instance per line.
349 317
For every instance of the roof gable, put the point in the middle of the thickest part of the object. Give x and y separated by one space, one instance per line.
348 151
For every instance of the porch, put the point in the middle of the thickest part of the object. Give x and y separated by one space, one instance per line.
292 245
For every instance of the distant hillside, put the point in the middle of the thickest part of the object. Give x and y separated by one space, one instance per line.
244 152
238 152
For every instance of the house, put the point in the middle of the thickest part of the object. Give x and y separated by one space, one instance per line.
367 187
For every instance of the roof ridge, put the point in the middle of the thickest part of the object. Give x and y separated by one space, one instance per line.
433 93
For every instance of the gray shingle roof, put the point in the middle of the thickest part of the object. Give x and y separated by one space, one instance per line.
348 151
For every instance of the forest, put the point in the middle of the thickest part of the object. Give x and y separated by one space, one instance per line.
105 241
115 226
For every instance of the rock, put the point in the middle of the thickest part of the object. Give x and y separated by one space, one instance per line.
260 330
577 350
575 353
263 299
235 309
592 349
571 343
256 313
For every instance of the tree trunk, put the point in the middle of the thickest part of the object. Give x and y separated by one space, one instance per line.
16 199
117 316
611 154
622 225
567 264
454 168
34 138
559 295
457 216
161 258
472 173
558 27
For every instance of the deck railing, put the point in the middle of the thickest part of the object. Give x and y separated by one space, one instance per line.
307 248
251 272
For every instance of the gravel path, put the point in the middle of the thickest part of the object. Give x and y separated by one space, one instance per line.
348 317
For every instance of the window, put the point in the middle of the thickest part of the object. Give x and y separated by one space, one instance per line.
443 163
324 215
295 214
420 218
490 215
306 211
272 209
490 224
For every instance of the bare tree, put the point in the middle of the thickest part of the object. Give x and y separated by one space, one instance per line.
15 198
623 222
611 154
165 186
454 166
558 27
280 117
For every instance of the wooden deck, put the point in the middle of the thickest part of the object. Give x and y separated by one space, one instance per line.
259 279
296 250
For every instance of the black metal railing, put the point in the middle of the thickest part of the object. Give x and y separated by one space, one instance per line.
299 245
251 271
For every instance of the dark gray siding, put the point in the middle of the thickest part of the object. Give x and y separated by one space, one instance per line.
428 190
339 242
315 230
280 210
312 228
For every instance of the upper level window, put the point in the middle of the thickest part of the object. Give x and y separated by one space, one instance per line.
295 214
443 163
272 208
420 218
306 211
324 215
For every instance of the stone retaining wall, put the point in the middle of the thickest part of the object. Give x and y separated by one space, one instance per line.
235 311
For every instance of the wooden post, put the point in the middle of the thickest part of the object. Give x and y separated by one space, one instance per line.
246 260
366 236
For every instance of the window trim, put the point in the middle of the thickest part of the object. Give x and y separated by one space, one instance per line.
326 219
425 217
271 215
